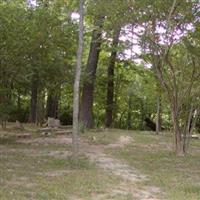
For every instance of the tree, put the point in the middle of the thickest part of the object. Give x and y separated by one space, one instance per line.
176 68
34 59
77 82
158 117
86 112
12 50
110 81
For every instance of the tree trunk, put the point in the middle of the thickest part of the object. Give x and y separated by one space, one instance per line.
41 108
178 143
110 83
86 112
179 150
129 124
77 83
52 104
142 114
191 122
158 119
18 101
34 99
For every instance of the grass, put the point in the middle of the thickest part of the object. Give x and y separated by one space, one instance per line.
178 177
29 171
40 172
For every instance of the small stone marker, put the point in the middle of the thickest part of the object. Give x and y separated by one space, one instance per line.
50 122
194 136
56 123
53 123
24 136
18 125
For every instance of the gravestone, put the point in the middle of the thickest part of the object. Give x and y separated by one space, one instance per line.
53 123
18 125
56 123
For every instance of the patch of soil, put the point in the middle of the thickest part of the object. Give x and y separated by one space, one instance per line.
123 141
25 181
59 140
129 175
54 173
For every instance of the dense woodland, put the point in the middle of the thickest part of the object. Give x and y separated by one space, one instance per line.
140 64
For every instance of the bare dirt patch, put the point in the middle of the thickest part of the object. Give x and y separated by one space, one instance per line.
128 175
25 181
59 140
54 173
123 141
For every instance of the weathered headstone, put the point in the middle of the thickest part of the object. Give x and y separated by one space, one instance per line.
18 125
194 136
56 123
53 123
50 122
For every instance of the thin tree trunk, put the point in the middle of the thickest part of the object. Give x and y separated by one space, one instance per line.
178 143
129 113
77 83
86 112
192 119
18 101
142 115
158 119
110 83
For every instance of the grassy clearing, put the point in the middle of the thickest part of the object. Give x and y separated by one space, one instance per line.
41 172
178 177
104 137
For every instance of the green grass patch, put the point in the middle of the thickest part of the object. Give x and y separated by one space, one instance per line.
45 171
178 177
38 171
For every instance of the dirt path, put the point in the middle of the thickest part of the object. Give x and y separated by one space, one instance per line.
128 188
129 175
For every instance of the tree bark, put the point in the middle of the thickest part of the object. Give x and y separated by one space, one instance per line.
110 81
158 119
86 112
52 104
178 142
40 107
34 99
142 114
75 141
129 124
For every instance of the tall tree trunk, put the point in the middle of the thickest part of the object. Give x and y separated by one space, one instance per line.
52 103
77 82
41 108
18 101
158 119
110 83
142 114
86 112
34 99
129 124
178 143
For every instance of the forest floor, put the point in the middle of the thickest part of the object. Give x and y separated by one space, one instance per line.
114 165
